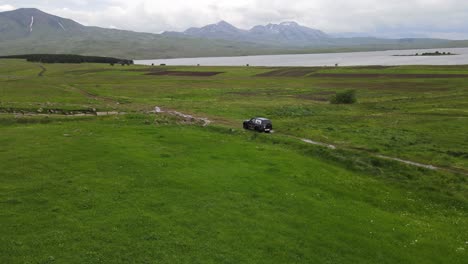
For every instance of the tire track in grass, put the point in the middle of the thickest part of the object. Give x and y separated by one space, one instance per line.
93 96
187 117
43 70
207 122
403 161
430 167
375 155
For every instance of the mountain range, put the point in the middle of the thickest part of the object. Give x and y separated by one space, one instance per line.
286 33
29 30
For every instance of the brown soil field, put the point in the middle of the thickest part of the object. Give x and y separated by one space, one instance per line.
373 67
381 75
288 72
184 73
393 85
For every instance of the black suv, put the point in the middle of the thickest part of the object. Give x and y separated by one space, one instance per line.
259 124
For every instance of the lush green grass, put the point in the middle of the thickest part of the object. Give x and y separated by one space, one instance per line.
414 118
117 190
129 189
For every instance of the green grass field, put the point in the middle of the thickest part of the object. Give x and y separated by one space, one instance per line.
146 188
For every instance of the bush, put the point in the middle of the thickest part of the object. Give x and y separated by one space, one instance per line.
346 97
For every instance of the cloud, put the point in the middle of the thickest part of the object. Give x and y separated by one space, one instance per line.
4 8
410 17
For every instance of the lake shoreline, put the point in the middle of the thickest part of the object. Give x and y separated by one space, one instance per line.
367 58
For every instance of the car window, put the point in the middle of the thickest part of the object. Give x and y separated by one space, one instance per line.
258 122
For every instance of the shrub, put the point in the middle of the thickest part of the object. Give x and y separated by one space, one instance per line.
346 97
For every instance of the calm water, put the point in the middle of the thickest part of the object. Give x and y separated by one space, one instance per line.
327 59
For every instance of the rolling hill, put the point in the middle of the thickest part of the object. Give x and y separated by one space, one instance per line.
29 30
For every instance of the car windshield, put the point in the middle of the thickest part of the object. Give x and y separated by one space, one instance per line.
260 121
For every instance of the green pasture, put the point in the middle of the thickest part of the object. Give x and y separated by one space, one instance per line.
146 188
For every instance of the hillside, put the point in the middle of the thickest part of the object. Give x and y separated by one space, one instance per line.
26 31
33 31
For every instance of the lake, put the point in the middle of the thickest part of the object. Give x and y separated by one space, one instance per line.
326 59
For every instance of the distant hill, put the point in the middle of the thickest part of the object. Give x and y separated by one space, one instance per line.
30 22
31 31
286 33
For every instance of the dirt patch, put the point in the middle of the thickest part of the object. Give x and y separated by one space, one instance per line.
256 93
288 72
390 85
148 69
318 143
184 73
383 75
373 67
412 163
187 119
81 72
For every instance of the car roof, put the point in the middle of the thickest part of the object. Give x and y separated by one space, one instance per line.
262 118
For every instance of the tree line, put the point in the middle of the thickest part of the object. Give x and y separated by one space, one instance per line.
68 58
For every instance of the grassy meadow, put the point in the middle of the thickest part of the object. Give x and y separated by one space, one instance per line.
146 188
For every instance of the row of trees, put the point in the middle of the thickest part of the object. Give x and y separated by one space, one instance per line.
437 53
68 58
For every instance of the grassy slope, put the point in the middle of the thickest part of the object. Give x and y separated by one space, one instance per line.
117 190
130 45
186 48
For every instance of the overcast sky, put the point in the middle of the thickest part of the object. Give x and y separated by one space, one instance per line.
392 18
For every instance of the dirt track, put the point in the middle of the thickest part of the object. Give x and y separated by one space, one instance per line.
93 96
43 70
186 117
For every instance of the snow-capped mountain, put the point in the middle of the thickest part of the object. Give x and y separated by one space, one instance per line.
284 33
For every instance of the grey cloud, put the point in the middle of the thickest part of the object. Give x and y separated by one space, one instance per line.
384 18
